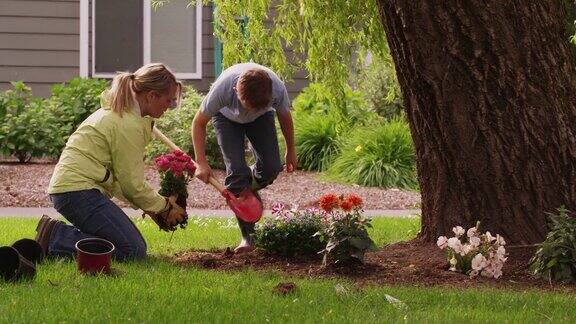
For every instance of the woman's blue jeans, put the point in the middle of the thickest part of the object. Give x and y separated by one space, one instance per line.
93 214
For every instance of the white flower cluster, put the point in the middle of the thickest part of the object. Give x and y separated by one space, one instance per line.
475 254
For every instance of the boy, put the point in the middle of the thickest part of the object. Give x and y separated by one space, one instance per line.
241 103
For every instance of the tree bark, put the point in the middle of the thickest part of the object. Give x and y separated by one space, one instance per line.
489 90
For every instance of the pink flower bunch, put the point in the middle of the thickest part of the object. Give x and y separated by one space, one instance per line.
473 253
177 162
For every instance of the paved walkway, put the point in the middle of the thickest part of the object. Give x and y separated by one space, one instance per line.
34 212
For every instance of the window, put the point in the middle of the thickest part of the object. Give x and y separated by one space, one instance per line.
118 36
129 33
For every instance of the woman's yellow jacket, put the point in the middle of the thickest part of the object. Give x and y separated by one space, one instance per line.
106 152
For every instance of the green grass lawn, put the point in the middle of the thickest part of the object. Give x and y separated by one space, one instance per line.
157 291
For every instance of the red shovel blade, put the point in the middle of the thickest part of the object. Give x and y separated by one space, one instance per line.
246 207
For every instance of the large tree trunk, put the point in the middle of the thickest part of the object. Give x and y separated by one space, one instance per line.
489 88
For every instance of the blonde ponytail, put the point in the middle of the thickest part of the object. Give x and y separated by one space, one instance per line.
119 96
150 77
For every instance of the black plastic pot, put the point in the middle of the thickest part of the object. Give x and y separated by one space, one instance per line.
29 249
13 266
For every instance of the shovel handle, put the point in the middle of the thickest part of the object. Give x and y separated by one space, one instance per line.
164 139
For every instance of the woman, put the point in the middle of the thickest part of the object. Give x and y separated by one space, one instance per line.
103 158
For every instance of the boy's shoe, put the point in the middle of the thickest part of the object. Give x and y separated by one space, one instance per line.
44 231
245 246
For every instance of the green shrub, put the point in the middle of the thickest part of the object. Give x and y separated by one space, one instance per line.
313 98
379 85
30 133
291 233
555 259
27 129
71 103
15 100
319 121
377 155
176 124
316 140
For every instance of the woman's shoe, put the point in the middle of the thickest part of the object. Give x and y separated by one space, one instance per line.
44 231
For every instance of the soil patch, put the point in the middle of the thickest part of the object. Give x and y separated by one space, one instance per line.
405 263
24 185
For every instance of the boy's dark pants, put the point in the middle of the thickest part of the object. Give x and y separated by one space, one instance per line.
264 144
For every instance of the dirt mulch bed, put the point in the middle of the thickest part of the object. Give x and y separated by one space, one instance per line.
406 263
24 185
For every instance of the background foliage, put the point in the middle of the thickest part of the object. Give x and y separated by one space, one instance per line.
176 124
37 127
27 128
321 121
555 259
378 84
324 44
72 102
379 154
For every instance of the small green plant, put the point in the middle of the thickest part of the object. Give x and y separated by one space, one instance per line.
345 230
176 124
290 233
313 98
555 259
377 155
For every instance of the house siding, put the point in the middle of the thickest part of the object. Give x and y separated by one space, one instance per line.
39 42
202 85
40 45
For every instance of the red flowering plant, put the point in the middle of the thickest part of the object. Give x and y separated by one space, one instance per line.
176 170
344 230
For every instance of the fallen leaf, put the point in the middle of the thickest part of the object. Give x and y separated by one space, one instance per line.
285 288
396 302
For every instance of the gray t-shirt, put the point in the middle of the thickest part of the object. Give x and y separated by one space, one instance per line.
222 96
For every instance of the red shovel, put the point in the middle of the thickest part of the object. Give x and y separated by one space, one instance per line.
246 207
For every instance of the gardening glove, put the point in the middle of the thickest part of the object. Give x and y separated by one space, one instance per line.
169 218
